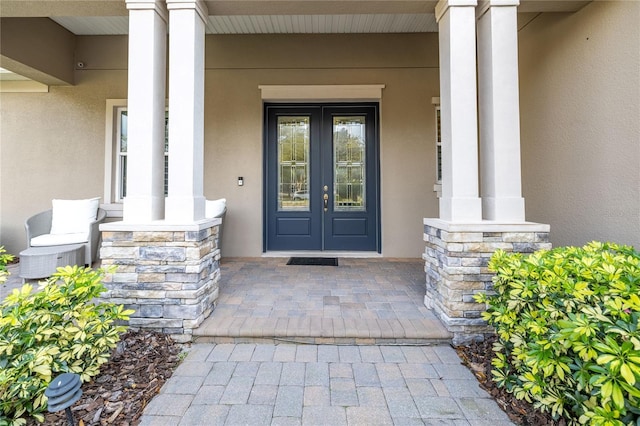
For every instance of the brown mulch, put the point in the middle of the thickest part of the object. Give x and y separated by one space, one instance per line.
477 357
136 371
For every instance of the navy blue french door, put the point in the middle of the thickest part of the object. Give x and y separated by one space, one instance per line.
321 183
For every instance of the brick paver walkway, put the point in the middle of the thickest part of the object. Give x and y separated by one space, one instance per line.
266 384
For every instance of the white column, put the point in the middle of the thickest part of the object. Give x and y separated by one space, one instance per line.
144 201
185 202
499 111
457 32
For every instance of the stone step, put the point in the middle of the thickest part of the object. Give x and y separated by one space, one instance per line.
322 341
316 330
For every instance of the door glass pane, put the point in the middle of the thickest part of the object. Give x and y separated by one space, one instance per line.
293 163
349 182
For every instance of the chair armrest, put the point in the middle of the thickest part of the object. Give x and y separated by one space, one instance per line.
100 217
38 224
94 237
94 227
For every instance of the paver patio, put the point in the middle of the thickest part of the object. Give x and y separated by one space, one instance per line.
365 301
319 345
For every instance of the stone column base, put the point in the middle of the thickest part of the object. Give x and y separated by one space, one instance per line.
456 259
167 273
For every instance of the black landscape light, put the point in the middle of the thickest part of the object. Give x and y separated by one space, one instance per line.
62 392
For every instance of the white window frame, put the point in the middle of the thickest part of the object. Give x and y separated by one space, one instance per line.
437 187
113 164
119 156
111 147
438 138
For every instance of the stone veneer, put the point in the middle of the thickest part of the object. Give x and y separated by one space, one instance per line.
167 273
456 259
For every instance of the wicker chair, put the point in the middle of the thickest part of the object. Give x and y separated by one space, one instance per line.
40 224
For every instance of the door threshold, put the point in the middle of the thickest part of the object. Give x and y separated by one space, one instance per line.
319 253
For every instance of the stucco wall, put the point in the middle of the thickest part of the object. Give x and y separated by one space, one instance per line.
52 147
37 48
53 143
406 64
580 105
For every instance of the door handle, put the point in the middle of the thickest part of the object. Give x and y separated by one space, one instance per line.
325 197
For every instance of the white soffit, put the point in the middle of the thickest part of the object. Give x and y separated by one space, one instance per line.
280 24
94 25
323 24
240 23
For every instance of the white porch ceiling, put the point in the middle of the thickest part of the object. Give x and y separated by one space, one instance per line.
271 24
109 17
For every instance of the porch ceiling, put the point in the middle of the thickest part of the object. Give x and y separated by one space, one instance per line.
272 24
100 17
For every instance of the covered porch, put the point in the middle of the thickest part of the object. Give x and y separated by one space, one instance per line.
461 66
361 301
167 253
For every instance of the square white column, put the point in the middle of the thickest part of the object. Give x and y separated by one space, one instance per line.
457 32
498 99
186 202
144 201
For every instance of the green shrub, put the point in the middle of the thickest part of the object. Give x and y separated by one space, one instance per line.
53 331
567 327
4 259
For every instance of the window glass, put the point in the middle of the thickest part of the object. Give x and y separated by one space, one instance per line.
293 163
438 146
349 176
121 163
122 154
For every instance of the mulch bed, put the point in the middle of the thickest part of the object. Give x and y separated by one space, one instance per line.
477 357
140 365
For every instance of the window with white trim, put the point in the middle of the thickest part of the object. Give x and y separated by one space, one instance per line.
438 146
121 153
116 145
437 187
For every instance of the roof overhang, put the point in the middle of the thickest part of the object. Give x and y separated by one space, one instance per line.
110 17
100 17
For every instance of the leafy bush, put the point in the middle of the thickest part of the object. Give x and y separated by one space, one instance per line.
53 331
4 259
567 326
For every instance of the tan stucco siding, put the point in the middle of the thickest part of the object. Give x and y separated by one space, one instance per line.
405 64
38 48
52 147
233 147
580 106
53 143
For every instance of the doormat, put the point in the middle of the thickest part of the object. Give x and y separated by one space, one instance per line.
313 261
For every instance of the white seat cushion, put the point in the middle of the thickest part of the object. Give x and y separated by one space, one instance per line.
59 239
73 216
214 208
